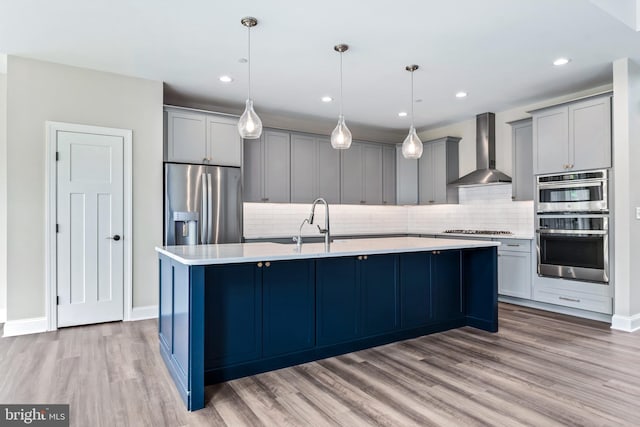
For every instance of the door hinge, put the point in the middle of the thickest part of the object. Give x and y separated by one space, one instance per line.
57 228
57 156
57 300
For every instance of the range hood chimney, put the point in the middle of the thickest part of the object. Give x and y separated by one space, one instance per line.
486 172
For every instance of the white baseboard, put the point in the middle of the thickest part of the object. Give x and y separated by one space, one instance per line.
144 312
3 315
25 326
625 323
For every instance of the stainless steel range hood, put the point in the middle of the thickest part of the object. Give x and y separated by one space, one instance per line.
486 172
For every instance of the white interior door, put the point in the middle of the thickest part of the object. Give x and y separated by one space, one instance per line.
90 218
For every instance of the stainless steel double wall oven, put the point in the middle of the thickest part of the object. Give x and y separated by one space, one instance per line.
572 225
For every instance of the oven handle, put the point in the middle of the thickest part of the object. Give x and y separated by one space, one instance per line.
575 233
573 184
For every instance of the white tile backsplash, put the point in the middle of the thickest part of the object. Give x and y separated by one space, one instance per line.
487 207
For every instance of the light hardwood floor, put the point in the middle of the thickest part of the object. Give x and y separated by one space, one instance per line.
541 369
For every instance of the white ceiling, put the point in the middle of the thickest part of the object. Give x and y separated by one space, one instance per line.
499 51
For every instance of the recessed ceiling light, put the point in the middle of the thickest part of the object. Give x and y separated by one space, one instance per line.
225 79
461 95
327 99
561 61
402 114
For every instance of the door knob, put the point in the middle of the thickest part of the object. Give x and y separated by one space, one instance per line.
115 237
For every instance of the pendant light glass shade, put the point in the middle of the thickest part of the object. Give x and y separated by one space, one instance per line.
249 125
341 135
412 146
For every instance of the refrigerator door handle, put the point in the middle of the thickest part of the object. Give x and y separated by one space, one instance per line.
209 209
204 212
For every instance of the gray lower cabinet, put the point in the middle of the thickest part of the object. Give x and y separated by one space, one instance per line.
200 137
573 137
437 167
315 169
514 268
522 154
267 168
362 174
389 175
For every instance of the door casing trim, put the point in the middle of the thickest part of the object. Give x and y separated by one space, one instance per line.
51 195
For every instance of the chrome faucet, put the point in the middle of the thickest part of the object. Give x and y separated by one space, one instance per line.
326 231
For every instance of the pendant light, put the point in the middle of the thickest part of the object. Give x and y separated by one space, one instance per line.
412 146
341 135
249 125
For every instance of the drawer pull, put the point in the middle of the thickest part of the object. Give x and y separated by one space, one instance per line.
267 264
259 265
365 257
512 245
569 299
360 257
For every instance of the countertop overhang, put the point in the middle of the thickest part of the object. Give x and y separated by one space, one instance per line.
234 253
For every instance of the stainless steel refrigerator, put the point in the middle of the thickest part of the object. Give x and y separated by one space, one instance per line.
202 204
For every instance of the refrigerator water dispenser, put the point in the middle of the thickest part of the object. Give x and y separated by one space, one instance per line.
186 228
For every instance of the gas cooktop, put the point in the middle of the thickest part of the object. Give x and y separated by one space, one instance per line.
495 232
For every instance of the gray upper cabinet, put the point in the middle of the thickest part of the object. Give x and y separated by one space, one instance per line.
406 179
267 165
573 137
199 137
389 175
437 167
522 152
362 174
315 169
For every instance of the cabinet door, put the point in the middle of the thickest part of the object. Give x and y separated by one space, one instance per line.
590 134
233 318
447 282
352 174
304 171
337 300
439 172
389 175
252 170
186 137
551 140
288 309
372 160
224 142
522 142
416 302
379 283
328 171
426 193
514 274
276 166
407 179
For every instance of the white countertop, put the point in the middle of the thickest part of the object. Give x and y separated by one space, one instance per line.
486 236
233 253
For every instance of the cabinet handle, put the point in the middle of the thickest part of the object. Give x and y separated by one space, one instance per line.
511 244
571 166
267 264
436 252
569 299
365 257
265 199
360 257
431 201
259 265
362 202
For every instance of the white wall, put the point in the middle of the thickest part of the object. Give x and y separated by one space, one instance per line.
39 91
3 197
467 131
626 155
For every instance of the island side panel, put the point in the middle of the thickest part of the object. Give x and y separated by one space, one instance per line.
196 337
480 283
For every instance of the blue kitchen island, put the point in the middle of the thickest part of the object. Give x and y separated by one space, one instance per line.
232 310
